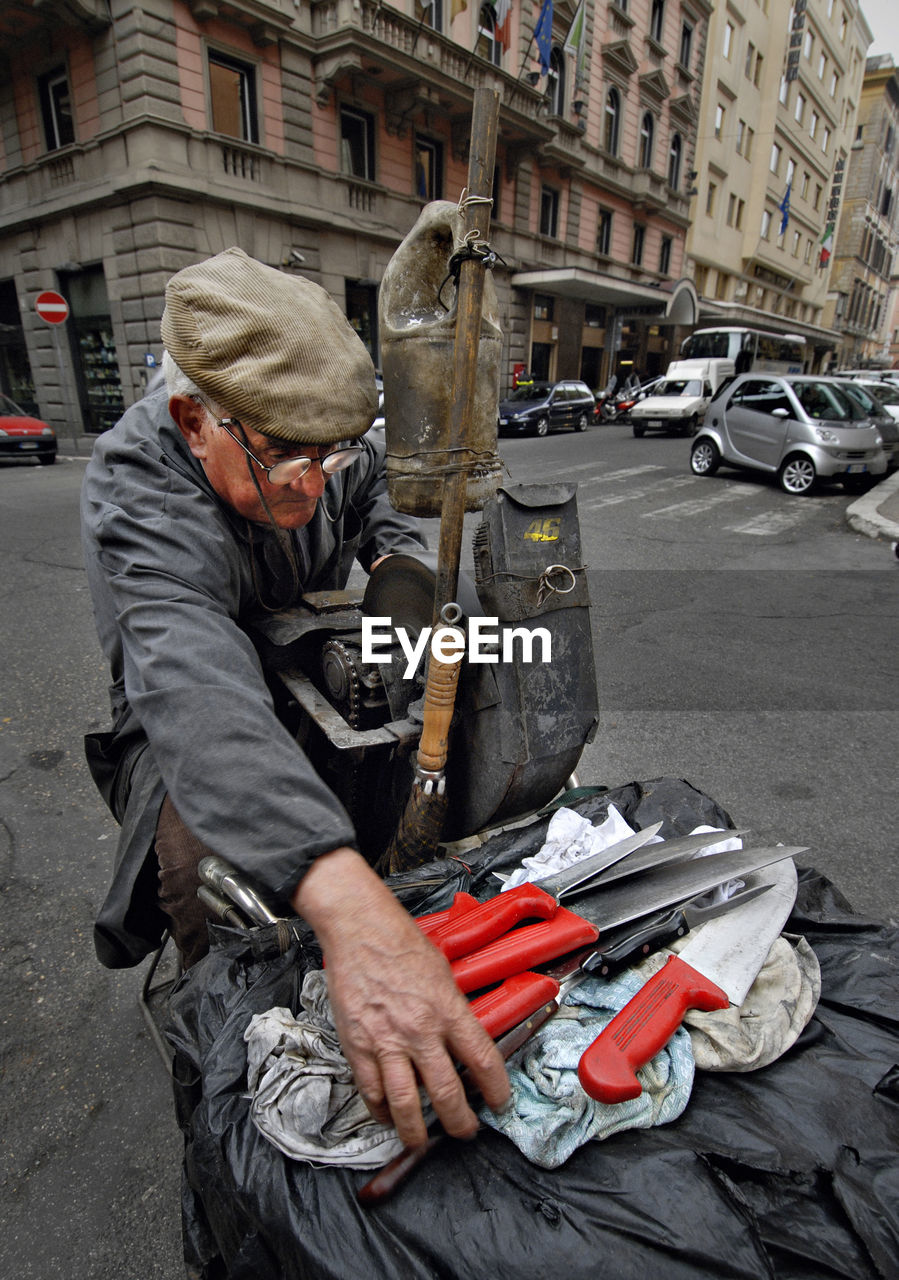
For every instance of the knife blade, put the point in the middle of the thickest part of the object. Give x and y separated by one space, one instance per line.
466 931
715 969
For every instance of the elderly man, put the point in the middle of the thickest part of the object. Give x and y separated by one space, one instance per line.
244 485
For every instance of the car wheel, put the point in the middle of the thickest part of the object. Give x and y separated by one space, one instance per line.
638 431
48 459
581 423
704 458
542 427
797 475
690 428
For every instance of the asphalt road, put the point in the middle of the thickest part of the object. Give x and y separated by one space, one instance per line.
745 641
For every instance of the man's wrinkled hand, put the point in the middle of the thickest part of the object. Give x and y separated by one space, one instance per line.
401 1019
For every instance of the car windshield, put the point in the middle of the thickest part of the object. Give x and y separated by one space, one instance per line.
884 393
536 391
10 409
679 387
828 402
869 402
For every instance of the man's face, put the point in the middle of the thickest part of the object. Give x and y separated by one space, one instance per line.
232 474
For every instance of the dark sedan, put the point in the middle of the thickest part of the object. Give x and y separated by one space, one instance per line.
537 408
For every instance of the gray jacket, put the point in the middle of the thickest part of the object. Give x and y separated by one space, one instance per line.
176 577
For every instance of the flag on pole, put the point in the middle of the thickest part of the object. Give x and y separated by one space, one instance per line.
826 246
575 43
784 208
543 35
457 7
503 9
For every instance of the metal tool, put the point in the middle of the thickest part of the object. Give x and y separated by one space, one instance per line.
468 930
532 945
715 969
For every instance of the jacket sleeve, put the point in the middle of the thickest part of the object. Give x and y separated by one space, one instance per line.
167 567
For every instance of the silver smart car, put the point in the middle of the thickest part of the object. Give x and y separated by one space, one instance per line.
797 428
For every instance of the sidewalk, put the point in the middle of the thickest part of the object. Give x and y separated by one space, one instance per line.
876 513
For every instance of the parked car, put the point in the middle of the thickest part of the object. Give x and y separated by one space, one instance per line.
676 404
542 407
881 403
22 436
798 428
880 375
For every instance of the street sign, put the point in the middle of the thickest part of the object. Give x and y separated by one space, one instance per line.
52 307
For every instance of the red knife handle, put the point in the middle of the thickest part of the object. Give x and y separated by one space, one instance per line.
461 935
518 997
462 902
607 1070
522 949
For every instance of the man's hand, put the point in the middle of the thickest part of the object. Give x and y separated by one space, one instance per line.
400 1017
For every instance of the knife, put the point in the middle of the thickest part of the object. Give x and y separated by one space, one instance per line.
514 999
468 930
715 969
467 925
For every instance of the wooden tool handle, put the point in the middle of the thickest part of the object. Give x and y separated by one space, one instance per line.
440 698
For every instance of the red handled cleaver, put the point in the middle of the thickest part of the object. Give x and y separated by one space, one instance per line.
715 969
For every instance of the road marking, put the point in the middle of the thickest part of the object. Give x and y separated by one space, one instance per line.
697 506
638 493
624 474
769 522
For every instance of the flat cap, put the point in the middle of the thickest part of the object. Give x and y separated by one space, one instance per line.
273 350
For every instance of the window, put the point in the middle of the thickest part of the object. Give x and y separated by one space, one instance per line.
813 124
747 150
843 25
757 75
488 47
750 54
766 224
791 169
774 164
806 179
429 13
357 144
710 199
543 306
604 233
232 93
741 134
657 20
549 211
808 252
674 161
807 44
796 241
428 169
56 109
720 114
735 209
686 45
834 84
665 256
639 243
721 286
799 109
825 139
728 39
819 191
555 82
731 207
822 65
647 130
784 91
612 121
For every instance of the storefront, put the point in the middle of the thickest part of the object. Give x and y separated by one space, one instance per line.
93 349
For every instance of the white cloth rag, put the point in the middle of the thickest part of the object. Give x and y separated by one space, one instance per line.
303 1097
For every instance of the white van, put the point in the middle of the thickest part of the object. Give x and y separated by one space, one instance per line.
679 402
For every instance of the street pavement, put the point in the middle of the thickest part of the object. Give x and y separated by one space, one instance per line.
876 513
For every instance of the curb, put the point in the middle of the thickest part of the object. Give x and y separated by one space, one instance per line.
864 515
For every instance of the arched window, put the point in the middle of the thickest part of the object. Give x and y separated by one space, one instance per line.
488 47
612 122
555 82
647 132
674 159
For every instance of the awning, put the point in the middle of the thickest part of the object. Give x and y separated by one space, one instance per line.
669 304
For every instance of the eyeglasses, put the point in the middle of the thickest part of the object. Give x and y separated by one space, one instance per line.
291 468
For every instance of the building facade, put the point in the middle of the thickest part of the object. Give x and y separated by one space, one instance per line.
135 140
863 283
781 92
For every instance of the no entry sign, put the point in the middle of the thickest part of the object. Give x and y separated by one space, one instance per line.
52 307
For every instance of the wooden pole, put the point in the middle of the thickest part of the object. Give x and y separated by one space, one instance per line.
469 306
